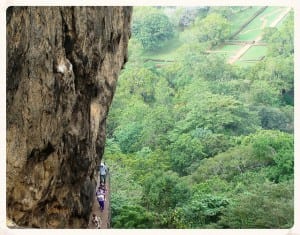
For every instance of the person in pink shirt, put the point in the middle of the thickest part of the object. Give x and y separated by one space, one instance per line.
100 194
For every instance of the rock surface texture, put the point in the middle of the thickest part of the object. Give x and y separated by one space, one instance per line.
62 68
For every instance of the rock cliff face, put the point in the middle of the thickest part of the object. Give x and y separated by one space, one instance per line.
62 68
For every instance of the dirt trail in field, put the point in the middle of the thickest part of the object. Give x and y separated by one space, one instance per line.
105 214
247 46
240 52
264 20
275 22
283 14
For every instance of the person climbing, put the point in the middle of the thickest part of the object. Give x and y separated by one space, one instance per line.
103 171
100 194
104 190
103 186
96 221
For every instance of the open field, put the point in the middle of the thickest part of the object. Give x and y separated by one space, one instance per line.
243 53
253 32
281 22
242 17
254 53
230 50
272 13
249 35
245 63
265 19
168 52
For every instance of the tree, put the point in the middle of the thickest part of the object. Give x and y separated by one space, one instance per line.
281 41
218 113
263 92
127 137
185 16
153 31
139 82
134 216
184 151
277 118
156 126
204 209
213 29
226 11
278 147
163 191
263 205
279 65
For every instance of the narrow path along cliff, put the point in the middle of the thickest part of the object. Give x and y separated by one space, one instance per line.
105 214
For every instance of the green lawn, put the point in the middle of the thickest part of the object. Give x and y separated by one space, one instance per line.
272 13
230 50
244 63
168 52
240 18
251 31
254 29
254 53
249 35
280 22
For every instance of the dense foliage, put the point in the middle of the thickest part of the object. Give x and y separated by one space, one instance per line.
153 30
197 142
213 29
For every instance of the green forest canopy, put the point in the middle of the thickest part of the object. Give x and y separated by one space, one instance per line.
194 142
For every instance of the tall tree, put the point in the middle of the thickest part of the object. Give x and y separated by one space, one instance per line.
153 31
213 29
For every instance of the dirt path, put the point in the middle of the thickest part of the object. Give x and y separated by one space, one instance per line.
239 54
244 49
105 216
275 22
283 14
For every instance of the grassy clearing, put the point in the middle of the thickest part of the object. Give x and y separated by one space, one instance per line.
254 53
227 50
168 52
245 63
251 31
188 35
241 17
282 20
272 13
249 35
230 50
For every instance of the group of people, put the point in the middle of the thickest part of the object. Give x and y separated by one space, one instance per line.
101 193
